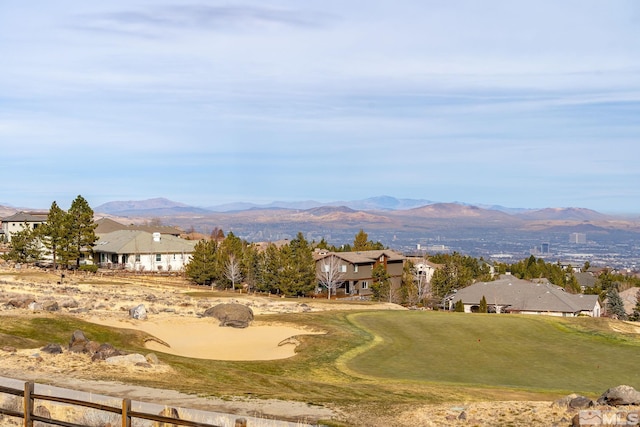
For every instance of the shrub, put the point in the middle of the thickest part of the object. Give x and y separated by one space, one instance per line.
92 268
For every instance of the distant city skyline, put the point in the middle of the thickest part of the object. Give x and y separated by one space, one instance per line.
519 104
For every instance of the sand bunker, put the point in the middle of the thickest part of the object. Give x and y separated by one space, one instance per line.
202 338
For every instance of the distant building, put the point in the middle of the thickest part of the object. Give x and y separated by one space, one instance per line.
512 295
357 269
138 250
18 221
578 238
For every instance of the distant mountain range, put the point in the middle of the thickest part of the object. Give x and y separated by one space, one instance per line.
162 206
385 214
399 223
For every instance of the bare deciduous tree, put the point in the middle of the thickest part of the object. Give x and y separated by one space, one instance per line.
232 271
331 274
421 281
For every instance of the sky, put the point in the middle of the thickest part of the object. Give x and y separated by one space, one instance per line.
528 104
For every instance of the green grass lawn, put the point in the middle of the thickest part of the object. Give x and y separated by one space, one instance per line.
531 352
381 360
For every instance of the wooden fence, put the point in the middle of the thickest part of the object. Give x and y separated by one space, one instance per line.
29 396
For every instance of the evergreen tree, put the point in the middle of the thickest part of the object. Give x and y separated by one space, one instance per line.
381 286
54 234
251 266
615 305
361 241
81 229
459 307
298 274
483 305
270 269
202 269
636 310
25 246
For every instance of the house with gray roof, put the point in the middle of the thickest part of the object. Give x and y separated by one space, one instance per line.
511 295
138 250
18 221
357 269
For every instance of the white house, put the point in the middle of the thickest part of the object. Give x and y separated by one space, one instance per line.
512 295
138 250
18 221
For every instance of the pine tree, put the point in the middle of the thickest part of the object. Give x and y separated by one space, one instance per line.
202 268
636 310
298 274
459 307
483 305
361 241
25 247
54 234
81 228
381 286
615 305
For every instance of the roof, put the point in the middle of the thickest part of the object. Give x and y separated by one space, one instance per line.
585 279
107 225
629 299
27 217
138 241
366 257
522 295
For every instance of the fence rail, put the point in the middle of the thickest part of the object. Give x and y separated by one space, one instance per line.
29 416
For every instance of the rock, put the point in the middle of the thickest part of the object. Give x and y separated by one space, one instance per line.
68 303
50 306
233 314
35 306
564 401
52 349
105 351
78 342
9 349
580 402
138 312
620 395
462 416
126 360
21 301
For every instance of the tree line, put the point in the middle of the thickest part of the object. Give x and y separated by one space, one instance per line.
288 270
66 235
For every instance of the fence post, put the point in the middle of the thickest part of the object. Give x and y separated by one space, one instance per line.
126 408
28 403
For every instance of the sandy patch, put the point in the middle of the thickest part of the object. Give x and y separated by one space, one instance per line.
202 338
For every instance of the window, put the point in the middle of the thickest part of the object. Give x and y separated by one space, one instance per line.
158 257
325 268
343 268
381 258
137 257
365 285
355 268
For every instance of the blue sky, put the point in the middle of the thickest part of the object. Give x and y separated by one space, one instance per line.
522 104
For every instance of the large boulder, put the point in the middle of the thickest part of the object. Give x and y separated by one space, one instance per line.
78 342
620 395
138 312
232 314
105 351
52 349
